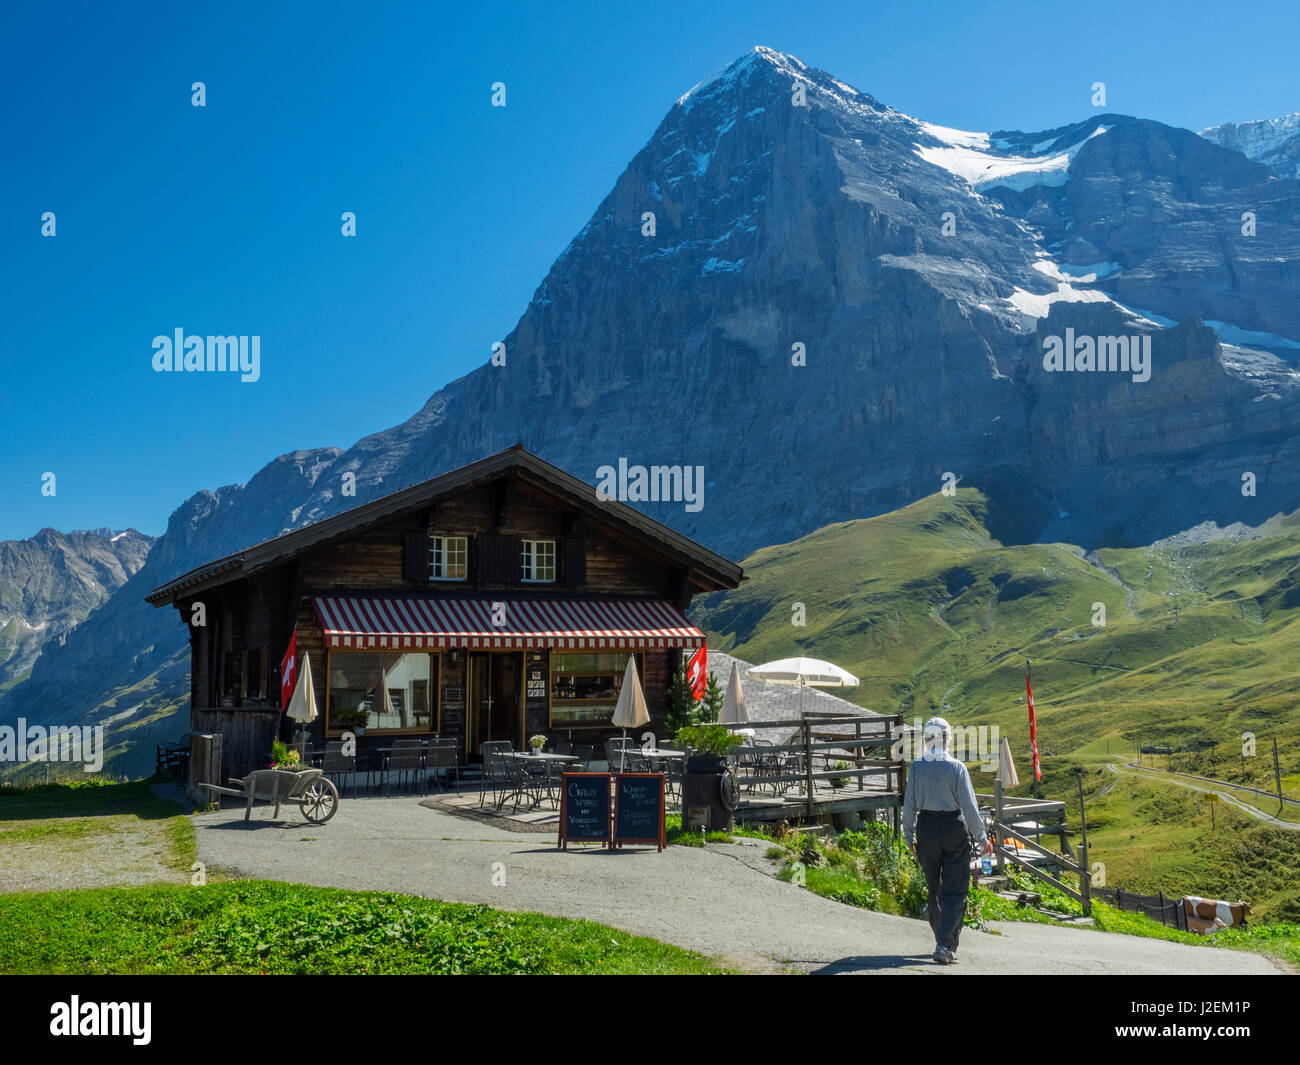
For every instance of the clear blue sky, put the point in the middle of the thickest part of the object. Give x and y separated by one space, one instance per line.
225 219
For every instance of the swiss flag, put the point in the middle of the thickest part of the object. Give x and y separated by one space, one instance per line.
1033 725
696 670
289 671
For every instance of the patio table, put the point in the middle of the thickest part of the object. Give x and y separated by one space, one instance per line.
541 760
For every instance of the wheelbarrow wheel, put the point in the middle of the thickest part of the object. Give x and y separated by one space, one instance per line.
320 801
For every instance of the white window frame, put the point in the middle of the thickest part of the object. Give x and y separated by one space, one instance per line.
529 561
438 543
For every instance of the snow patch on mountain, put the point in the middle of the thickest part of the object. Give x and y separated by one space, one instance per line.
976 160
1250 338
1091 272
1039 304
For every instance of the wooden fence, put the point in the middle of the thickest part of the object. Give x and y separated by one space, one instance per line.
1010 813
864 742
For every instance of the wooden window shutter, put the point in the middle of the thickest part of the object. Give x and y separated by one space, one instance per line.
575 560
415 557
499 560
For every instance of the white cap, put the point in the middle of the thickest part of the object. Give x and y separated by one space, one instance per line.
937 733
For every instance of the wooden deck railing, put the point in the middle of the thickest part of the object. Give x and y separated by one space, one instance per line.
853 739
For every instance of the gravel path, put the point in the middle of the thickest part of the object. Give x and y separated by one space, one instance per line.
70 853
721 900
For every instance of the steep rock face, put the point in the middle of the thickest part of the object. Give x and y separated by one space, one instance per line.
51 582
920 267
126 666
1275 142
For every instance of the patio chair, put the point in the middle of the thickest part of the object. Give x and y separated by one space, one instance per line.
528 778
495 772
341 766
674 770
585 753
616 753
563 746
442 758
404 760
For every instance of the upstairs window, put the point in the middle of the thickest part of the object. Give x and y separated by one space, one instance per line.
448 557
538 561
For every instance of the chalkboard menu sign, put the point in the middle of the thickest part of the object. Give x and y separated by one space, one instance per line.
584 808
639 808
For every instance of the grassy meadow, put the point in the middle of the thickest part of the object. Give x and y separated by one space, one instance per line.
1180 645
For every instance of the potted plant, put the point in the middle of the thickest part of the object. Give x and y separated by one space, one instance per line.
285 758
839 782
537 743
710 743
709 782
353 720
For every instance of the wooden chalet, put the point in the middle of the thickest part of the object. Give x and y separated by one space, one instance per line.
497 601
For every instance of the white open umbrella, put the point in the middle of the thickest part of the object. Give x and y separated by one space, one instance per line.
302 706
631 711
804 672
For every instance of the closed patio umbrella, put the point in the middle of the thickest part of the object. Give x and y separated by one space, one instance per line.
733 707
1006 767
804 672
302 706
631 711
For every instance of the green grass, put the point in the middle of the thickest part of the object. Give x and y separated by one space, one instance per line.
92 797
255 926
1201 646
83 809
675 834
869 869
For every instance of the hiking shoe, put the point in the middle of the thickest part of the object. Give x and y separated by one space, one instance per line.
943 956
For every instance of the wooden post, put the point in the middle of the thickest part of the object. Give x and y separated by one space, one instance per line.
1277 776
902 786
1085 871
807 755
997 825
857 751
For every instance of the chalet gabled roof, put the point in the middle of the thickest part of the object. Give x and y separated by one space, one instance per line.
515 460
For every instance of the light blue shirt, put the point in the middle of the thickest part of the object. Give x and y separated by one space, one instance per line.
940 782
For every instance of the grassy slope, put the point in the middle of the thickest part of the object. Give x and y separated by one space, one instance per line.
1200 645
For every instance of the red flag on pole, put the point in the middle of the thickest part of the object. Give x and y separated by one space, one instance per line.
696 670
289 671
1033 725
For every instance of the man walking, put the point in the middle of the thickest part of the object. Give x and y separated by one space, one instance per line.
941 824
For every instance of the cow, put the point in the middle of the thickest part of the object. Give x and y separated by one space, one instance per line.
1207 916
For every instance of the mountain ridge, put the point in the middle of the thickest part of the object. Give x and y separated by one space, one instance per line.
777 226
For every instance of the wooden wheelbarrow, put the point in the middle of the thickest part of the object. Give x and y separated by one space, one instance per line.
317 797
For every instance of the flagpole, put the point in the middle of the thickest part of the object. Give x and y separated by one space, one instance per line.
1033 730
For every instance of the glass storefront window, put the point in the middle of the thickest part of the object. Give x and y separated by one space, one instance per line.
395 692
585 687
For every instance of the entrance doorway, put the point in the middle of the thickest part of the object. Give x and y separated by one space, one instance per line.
496 695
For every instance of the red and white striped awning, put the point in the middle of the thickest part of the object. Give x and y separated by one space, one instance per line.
578 624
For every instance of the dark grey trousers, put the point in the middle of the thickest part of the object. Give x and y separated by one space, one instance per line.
944 853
